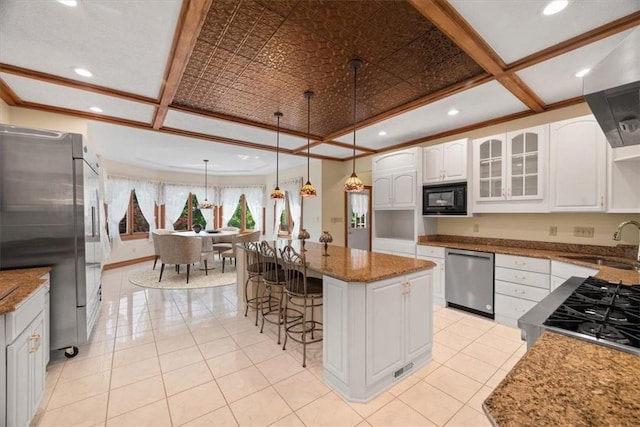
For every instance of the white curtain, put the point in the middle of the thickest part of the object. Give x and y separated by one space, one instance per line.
206 213
292 188
230 199
175 196
255 203
359 203
117 194
279 203
147 195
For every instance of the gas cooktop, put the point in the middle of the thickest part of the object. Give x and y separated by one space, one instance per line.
600 311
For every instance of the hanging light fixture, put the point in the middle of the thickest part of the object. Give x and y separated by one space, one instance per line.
308 189
277 193
353 184
206 204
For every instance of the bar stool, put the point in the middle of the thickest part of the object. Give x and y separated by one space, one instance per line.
302 292
273 278
254 275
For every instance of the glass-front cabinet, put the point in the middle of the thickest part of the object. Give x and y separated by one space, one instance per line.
510 167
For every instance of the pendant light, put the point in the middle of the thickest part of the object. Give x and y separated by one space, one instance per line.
206 204
308 190
277 193
353 184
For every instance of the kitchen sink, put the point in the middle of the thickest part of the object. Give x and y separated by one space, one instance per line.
592 259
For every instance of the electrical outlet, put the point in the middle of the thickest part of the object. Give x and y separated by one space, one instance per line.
583 232
553 230
476 228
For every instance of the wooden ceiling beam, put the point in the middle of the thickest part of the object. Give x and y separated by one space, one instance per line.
192 17
447 19
8 95
56 80
602 32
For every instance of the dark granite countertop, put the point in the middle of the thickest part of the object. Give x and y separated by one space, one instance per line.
563 381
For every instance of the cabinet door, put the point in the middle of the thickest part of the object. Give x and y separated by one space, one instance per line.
432 164
454 160
437 279
488 168
382 191
38 364
578 162
419 310
19 379
404 190
385 325
525 163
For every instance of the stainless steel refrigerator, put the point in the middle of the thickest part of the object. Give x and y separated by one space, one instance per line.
49 216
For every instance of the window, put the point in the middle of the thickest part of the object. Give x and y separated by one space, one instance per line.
190 215
358 221
133 222
242 217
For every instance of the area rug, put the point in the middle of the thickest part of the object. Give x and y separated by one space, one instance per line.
173 280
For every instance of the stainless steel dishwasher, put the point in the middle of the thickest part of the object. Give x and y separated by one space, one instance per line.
469 281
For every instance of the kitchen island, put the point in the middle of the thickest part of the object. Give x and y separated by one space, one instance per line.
566 381
377 317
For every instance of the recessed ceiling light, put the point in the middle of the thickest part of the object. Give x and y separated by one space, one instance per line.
382 133
83 72
583 72
71 3
453 112
243 156
554 7
96 109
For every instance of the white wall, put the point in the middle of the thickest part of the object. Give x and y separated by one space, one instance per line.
4 112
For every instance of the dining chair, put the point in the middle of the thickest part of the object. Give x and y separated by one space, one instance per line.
156 246
179 250
230 254
303 293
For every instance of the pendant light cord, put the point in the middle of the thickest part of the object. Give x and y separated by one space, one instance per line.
278 115
355 82
205 179
308 131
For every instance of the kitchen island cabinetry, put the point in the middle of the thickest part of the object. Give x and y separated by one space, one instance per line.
520 283
577 170
23 341
510 171
377 316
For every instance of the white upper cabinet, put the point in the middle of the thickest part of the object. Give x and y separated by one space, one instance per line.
623 179
578 159
509 171
395 179
445 162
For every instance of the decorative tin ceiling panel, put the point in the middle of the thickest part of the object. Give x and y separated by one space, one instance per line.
255 57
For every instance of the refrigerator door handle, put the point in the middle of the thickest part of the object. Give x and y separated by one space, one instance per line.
93 221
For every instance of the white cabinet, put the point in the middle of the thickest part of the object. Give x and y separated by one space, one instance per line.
25 340
509 171
623 179
578 159
445 162
561 271
398 324
435 254
520 283
398 190
408 159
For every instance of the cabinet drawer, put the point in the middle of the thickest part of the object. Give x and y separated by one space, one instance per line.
523 263
522 277
521 291
566 270
511 307
18 320
431 251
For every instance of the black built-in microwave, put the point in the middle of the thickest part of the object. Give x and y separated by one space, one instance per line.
447 199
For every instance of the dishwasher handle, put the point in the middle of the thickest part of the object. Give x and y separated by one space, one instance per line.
474 254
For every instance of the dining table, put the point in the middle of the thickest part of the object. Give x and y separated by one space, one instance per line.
216 236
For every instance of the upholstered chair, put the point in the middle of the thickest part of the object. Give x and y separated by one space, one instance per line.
230 254
156 247
175 249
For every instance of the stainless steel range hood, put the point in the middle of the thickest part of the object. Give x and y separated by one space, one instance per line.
612 90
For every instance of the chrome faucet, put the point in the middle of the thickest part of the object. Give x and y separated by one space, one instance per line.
618 233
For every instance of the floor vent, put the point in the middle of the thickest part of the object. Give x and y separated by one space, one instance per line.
402 370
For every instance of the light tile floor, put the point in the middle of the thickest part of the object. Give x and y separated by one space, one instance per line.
171 358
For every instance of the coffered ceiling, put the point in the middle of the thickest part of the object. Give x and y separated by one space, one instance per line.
217 70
